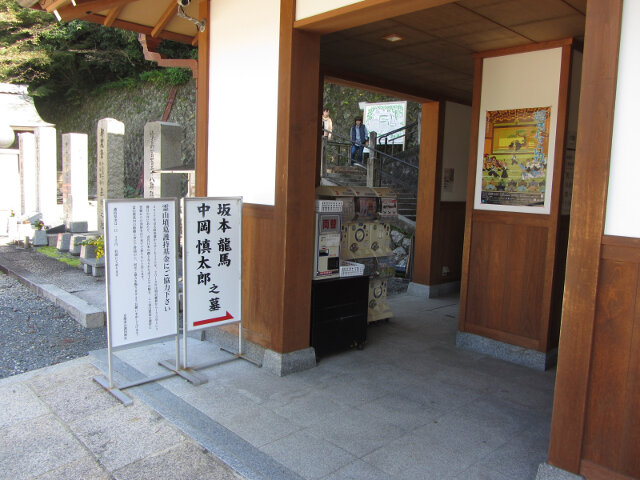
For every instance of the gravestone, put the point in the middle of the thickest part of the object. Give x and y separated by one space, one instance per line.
47 175
64 242
110 171
75 177
28 173
162 151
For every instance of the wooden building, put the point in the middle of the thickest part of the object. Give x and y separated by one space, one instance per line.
565 277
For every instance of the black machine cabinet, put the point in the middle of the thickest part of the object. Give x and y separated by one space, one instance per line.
339 313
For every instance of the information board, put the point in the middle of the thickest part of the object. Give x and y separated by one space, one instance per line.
141 260
212 257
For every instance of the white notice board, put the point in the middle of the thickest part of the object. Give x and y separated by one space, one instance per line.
212 257
141 260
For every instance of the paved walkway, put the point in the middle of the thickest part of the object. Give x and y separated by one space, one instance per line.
56 423
410 405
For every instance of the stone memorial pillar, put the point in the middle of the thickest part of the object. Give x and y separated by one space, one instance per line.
162 151
110 171
75 177
47 166
28 174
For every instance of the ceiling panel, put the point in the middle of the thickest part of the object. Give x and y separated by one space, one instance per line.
516 12
437 54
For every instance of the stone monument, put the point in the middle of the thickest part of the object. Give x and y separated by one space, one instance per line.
28 174
162 151
75 177
47 175
110 171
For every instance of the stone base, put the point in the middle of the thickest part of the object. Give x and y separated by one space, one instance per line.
40 238
280 364
78 227
53 239
433 291
549 472
505 351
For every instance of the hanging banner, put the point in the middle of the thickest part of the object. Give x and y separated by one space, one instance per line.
212 257
141 269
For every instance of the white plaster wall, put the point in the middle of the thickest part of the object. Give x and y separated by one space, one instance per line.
623 214
9 181
455 149
309 8
243 99
523 80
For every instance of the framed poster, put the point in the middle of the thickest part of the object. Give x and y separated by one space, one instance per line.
141 254
514 169
212 260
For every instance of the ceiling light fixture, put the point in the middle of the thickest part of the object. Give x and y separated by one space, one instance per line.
392 37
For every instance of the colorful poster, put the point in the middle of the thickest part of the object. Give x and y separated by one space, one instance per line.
515 157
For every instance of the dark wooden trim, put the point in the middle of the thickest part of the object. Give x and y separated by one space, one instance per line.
556 189
136 27
83 9
595 124
366 85
510 218
428 191
530 47
361 13
621 241
471 189
202 102
593 471
258 211
372 83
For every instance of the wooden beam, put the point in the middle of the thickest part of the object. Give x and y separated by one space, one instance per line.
136 27
362 13
202 102
69 12
166 17
590 184
428 190
112 16
56 4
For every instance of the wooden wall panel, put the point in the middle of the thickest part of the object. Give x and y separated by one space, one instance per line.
612 415
448 242
504 286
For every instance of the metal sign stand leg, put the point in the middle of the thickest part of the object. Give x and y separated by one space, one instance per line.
107 384
239 354
184 371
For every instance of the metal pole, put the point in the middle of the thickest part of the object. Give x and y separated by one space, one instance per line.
371 163
184 290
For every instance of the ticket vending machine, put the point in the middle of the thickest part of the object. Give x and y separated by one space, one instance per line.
328 232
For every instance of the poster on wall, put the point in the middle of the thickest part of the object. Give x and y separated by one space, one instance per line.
212 258
384 117
515 174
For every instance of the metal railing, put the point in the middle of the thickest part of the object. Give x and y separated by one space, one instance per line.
380 164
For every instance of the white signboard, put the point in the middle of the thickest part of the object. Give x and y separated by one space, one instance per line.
212 257
385 117
141 260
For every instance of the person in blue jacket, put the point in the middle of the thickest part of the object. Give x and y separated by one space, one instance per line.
359 140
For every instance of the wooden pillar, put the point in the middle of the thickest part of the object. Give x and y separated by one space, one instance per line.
429 175
202 102
595 129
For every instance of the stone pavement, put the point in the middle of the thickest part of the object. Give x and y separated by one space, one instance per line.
56 423
410 405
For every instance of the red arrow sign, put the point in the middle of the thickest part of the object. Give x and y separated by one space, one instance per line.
228 316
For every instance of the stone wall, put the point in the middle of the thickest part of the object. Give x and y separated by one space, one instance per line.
134 107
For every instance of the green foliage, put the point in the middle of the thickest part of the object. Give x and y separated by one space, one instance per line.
53 252
70 59
167 76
